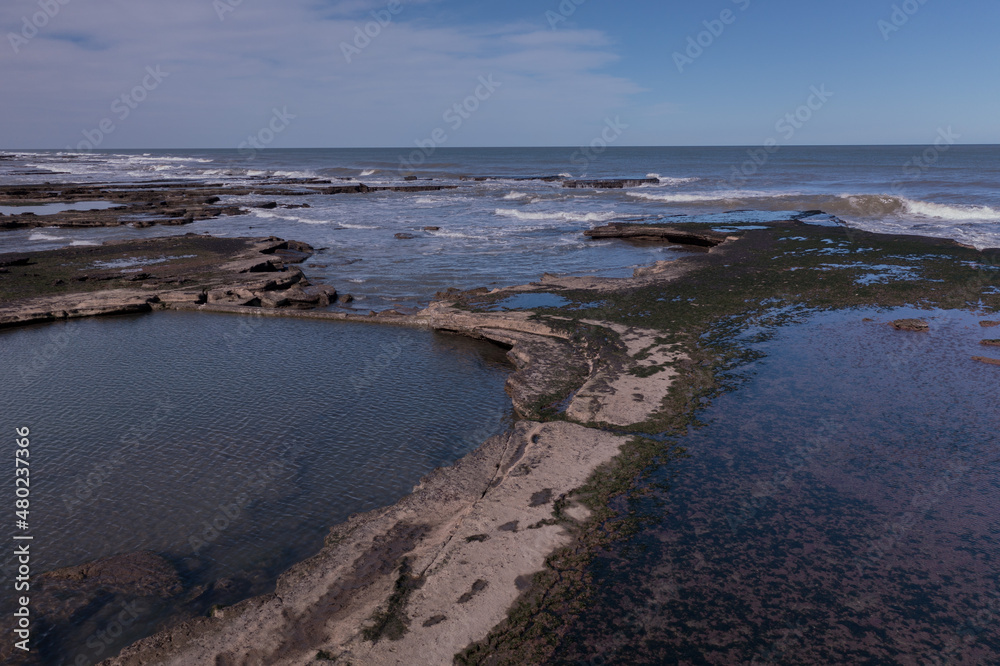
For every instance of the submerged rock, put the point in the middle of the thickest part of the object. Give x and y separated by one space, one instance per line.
918 325
651 232
142 573
613 184
989 324
987 360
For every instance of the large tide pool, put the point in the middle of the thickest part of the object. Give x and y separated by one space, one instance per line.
839 506
228 445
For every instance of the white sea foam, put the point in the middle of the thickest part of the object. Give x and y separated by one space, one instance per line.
668 180
369 172
457 234
40 236
563 216
514 196
78 243
693 197
75 168
295 174
284 216
952 212
146 157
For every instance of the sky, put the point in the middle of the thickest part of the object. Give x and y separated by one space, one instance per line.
389 73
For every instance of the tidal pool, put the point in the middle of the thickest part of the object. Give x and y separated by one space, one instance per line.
227 444
840 506
56 208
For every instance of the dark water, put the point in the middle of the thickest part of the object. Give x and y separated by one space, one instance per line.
843 515
513 228
231 444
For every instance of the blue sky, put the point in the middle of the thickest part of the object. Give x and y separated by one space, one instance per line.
559 71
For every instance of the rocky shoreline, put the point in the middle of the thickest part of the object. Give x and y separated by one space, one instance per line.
164 202
470 561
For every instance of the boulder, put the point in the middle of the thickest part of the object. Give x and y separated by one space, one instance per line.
273 299
991 343
182 297
918 325
324 292
648 232
235 296
612 184
298 297
8 261
405 236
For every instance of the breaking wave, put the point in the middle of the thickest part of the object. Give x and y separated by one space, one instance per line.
559 215
667 180
861 206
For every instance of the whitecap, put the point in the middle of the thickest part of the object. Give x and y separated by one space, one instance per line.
514 196
563 216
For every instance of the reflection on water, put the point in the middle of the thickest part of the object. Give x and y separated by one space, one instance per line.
231 444
55 208
840 507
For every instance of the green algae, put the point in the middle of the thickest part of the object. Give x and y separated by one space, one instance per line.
770 277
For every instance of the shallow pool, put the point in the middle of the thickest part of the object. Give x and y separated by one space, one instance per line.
840 507
229 444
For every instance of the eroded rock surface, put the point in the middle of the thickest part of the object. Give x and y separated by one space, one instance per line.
416 578
140 276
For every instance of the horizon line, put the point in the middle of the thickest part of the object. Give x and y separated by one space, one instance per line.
447 148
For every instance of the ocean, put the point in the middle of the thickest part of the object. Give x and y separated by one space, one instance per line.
510 219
